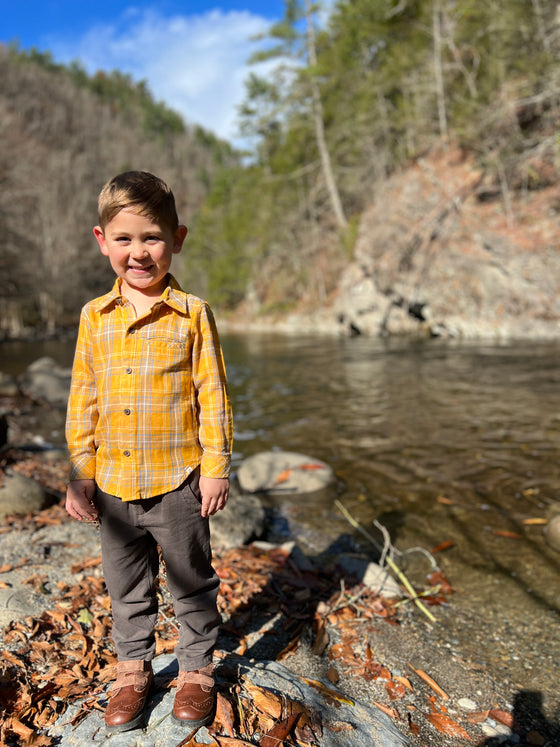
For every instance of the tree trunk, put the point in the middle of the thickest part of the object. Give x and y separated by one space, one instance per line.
438 68
324 154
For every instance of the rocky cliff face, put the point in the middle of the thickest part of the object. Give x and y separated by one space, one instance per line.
443 252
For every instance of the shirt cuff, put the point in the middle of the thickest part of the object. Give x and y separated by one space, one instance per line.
82 468
215 465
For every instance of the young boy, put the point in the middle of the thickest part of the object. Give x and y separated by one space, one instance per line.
149 430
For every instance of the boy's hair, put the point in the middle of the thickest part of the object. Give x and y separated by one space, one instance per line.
142 193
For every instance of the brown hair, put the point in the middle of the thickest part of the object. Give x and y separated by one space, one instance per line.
143 194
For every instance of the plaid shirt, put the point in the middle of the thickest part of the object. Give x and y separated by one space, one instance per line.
148 401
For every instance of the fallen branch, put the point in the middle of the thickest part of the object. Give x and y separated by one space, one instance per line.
386 557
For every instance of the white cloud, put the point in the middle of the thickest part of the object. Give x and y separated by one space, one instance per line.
196 64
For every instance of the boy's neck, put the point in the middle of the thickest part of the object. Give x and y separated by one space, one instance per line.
142 300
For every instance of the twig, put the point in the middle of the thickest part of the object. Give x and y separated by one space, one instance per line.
422 551
390 562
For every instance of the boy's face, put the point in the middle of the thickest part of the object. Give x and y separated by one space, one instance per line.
140 251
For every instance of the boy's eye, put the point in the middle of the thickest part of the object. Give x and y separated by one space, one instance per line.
152 238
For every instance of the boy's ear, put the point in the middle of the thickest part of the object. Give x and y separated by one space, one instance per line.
178 238
100 236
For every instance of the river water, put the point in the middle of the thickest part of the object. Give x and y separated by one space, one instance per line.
442 442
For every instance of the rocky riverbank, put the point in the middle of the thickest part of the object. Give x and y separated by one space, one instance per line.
345 658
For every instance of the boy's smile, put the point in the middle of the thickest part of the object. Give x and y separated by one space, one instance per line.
140 251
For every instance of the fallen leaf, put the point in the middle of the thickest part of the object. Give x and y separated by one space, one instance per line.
507 534
265 701
327 692
504 717
446 725
431 682
395 690
311 466
84 616
389 710
89 563
321 638
535 522
332 675
445 545
275 736
437 578
414 728
404 681
224 714
283 476
477 717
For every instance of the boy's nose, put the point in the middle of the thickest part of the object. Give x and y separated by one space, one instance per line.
138 250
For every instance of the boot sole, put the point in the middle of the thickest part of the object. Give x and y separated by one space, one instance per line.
198 722
137 723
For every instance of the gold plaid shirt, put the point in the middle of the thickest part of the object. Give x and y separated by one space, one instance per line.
148 401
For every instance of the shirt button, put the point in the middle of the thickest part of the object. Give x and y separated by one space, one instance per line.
126 453
127 411
129 370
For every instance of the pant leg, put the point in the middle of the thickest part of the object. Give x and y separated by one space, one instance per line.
130 565
184 537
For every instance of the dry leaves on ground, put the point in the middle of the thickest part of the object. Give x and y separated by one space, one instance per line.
65 655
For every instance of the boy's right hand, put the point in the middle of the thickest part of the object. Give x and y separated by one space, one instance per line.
79 500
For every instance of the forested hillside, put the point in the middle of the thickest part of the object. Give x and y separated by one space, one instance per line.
63 134
351 106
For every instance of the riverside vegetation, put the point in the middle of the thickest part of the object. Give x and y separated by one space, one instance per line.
401 178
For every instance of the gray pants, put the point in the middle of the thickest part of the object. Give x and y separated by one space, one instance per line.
130 534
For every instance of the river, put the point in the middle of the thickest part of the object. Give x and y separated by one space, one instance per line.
442 442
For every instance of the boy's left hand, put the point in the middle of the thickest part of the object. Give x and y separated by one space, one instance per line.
215 492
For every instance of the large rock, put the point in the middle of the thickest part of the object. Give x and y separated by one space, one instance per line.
45 380
552 532
284 472
241 520
433 259
8 385
20 495
346 724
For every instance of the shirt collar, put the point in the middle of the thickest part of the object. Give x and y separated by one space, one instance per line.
173 296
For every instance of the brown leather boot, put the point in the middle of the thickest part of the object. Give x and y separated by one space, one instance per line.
125 709
195 699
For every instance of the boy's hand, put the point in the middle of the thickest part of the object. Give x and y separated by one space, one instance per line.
214 491
79 497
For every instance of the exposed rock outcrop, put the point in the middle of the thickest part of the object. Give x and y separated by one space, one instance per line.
435 257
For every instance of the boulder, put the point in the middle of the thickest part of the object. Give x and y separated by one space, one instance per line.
371 575
8 385
347 723
241 520
45 380
284 472
552 532
20 495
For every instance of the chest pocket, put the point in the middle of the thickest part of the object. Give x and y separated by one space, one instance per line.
165 353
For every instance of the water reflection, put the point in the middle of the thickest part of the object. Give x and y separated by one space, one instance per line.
440 442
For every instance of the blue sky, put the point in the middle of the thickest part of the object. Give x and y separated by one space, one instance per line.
193 54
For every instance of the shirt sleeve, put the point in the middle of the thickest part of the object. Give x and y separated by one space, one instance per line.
214 409
82 413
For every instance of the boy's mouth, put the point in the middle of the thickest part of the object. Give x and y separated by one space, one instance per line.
140 268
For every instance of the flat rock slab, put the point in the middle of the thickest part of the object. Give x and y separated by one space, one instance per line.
284 472
345 723
20 495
